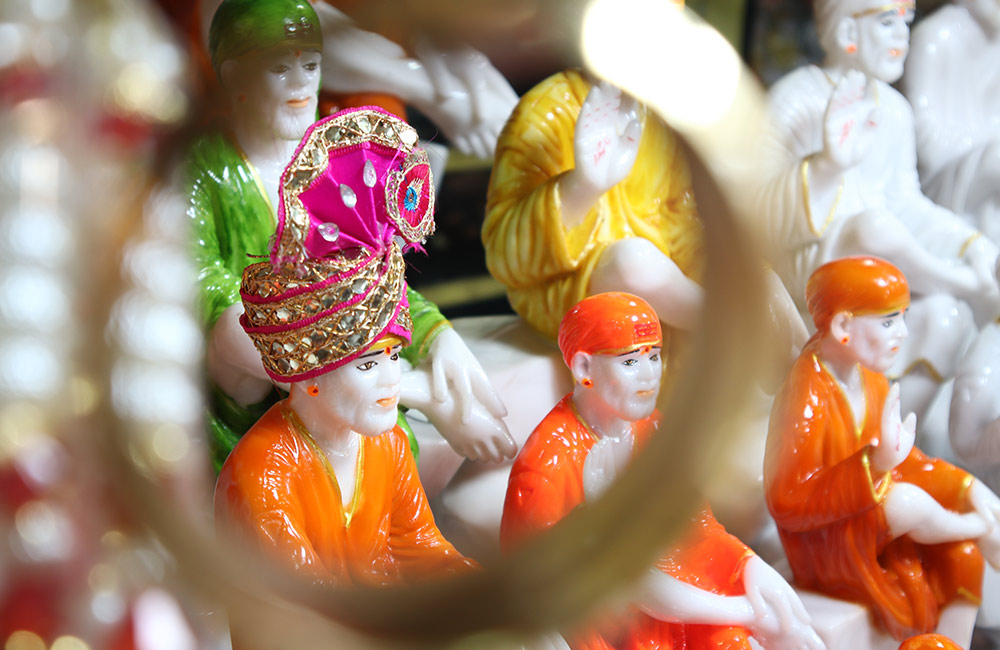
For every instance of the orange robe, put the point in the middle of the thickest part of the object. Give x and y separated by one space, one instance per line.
546 484
827 504
279 486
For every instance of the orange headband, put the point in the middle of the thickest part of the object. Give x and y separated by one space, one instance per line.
860 285
608 323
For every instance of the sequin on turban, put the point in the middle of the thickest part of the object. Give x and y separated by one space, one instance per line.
608 323
240 27
859 285
356 194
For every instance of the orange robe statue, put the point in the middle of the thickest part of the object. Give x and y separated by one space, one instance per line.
278 485
546 484
827 505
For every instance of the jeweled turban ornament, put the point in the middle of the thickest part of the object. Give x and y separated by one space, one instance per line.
357 193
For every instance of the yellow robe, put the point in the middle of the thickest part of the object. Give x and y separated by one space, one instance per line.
545 267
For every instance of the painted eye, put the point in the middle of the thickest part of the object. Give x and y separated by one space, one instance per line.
887 324
629 362
279 69
655 357
395 356
367 365
312 65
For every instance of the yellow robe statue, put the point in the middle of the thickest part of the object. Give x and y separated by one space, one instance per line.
545 267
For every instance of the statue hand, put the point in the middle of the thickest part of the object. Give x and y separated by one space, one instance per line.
473 99
982 257
605 461
607 136
850 121
780 619
454 366
897 435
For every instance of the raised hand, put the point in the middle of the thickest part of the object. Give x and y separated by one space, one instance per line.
897 435
850 121
607 134
473 100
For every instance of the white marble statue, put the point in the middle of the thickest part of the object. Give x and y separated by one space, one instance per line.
953 83
845 183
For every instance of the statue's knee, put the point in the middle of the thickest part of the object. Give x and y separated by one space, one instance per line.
630 263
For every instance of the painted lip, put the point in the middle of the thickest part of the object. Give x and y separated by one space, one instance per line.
646 393
388 402
897 52
298 103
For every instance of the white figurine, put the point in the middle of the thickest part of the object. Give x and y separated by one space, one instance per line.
953 83
845 183
974 423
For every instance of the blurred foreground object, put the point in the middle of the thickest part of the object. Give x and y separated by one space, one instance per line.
87 89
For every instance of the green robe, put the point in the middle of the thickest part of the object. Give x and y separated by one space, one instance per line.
232 218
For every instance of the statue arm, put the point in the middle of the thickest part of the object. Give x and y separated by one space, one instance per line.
533 503
804 490
974 425
798 195
417 544
947 484
428 323
218 287
526 240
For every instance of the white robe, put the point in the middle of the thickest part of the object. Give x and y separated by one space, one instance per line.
953 81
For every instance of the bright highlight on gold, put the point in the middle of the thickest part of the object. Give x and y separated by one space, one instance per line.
675 51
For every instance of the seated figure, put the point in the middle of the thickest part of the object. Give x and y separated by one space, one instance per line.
846 183
708 590
863 514
591 193
267 55
325 481
953 83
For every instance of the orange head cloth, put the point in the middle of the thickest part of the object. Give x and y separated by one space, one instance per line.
608 323
859 285
929 642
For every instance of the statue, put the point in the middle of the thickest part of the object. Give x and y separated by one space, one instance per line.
974 422
267 54
863 514
591 193
457 88
325 479
953 83
846 184
709 590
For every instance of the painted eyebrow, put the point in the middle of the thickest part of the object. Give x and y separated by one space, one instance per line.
892 315
654 347
395 348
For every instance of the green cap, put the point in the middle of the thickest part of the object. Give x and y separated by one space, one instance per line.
240 27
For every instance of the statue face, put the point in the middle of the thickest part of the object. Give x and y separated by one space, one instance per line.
277 90
627 384
363 394
875 340
884 42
